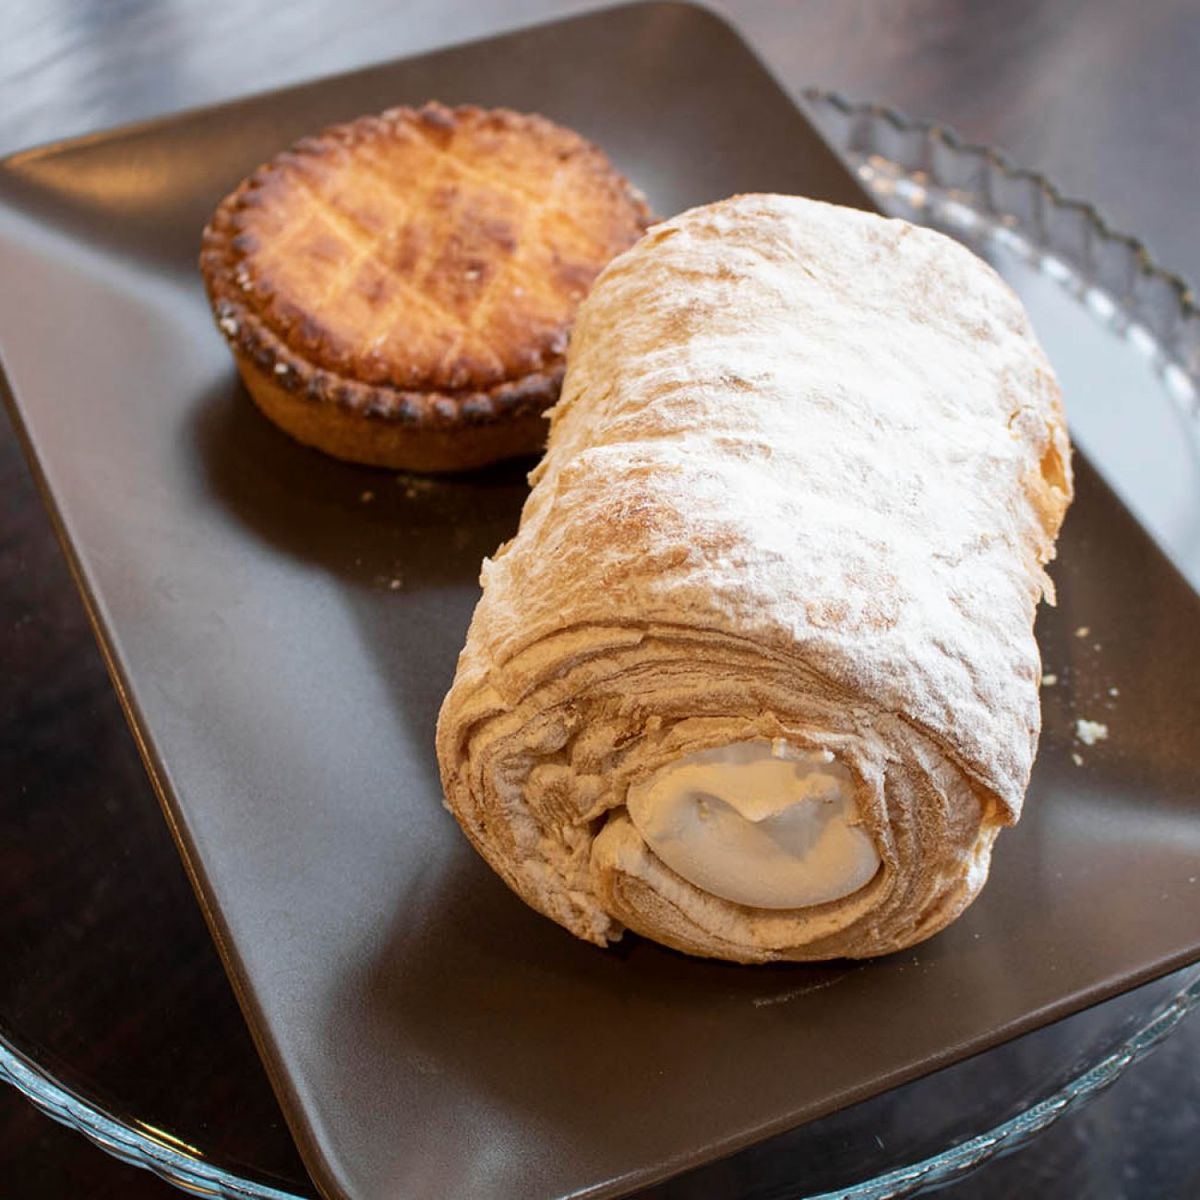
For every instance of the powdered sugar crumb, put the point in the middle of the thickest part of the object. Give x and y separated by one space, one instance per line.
1090 732
784 997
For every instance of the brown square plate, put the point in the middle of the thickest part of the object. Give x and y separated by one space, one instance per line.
281 648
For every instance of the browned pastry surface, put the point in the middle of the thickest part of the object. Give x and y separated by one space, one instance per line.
400 289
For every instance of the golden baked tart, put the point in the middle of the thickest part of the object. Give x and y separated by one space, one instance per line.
399 290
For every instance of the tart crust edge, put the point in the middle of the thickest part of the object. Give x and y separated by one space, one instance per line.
377 424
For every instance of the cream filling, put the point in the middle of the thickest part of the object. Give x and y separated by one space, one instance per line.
761 823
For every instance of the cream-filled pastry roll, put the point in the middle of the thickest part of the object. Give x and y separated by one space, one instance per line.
756 677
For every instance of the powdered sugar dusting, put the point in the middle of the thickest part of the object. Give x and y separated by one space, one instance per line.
806 462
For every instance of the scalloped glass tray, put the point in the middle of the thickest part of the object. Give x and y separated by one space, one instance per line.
1080 281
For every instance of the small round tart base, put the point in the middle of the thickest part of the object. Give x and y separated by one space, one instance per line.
381 440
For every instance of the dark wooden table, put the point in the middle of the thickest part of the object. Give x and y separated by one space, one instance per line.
1102 95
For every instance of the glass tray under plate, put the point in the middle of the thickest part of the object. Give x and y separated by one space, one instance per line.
1077 278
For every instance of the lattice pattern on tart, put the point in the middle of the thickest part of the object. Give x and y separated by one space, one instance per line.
435 250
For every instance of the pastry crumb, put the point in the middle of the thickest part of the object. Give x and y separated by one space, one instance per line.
1114 691
413 485
395 584
1082 631
1049 680
1090 732
367 497
1077 759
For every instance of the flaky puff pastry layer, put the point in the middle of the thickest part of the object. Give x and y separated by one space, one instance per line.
805 473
